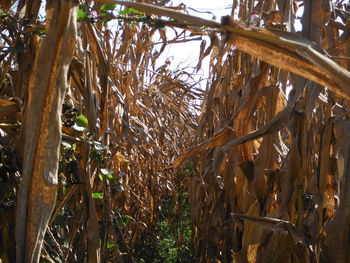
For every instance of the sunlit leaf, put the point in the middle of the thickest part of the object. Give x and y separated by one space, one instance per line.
100 176
106 173
81 13
97 195
81 121
106 7
111 245
129 11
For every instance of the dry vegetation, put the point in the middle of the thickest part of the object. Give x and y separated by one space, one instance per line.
97 133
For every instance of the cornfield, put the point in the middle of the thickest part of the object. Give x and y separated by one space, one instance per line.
104 143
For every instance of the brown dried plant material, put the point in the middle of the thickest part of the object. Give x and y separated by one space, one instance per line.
267 148
332 231
47 83
289 52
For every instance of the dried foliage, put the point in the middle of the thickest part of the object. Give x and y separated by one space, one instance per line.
267 152
272 161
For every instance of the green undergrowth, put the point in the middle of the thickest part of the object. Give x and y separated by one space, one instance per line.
172 241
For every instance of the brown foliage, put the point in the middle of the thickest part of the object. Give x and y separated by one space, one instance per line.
269 168
269 142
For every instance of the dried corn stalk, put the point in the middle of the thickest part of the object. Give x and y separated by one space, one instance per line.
269 145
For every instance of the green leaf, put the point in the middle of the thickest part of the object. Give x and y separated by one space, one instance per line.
81 13
105 13
106 174
41 32
142 20
126 219
106 7
64 189
123 220
74 148
136 11
97 195
107 16
111 245
81 121
128 11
